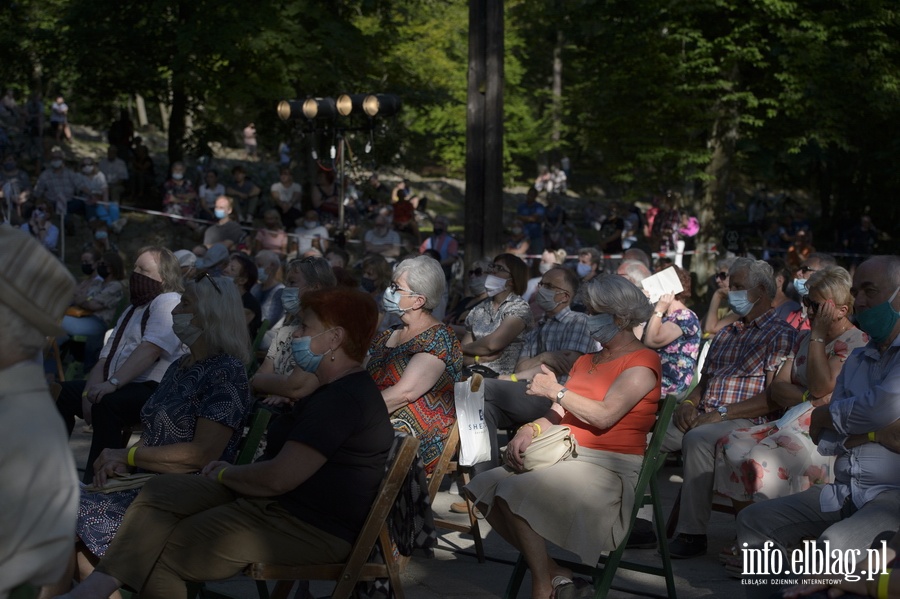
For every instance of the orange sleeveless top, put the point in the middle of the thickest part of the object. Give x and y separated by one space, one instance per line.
628 435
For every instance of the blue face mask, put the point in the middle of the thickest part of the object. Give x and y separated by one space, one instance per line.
582 269
220 214
304 357
602 327
290 299
390 301
739 302
261 275
878 322
101 235
800 286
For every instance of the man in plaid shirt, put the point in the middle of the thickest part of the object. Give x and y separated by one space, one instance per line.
743 359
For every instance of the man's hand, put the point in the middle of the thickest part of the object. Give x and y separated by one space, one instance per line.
889 436
819 420
97 392
517 447
685 416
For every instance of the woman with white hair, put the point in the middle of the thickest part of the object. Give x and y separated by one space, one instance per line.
196 415
609 402
416 363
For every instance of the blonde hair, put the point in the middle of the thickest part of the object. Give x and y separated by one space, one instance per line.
834 283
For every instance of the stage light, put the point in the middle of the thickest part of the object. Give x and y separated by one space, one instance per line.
290 109
383 105
348 104
319 108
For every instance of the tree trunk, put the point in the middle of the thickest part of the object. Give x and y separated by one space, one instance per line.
177 120
556 89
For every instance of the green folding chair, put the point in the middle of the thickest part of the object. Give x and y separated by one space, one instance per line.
604 571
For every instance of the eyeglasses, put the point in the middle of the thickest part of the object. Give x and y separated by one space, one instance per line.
722 276
805 269
812 307
544 285
476 272
498 268
206 275
394 288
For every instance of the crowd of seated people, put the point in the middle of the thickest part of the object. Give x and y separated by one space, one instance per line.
773 389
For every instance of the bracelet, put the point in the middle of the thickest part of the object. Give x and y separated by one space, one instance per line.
660 314
883 580
477 359
221 472
818 340
805 396
131 453
514 378
871 437
690 402
535 429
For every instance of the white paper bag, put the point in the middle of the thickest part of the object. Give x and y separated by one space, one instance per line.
474 443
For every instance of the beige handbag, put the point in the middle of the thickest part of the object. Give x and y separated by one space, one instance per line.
553 445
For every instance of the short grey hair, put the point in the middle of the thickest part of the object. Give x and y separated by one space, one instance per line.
635 271
891 266
617 296
759 272
268 258
725 263
17 335
424 276
316 272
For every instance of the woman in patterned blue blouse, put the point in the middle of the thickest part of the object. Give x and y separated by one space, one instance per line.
196 415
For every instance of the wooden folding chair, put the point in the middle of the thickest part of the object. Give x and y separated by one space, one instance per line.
444 467
605 570
357 568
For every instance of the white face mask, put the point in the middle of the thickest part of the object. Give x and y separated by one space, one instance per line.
87 170
56 163
494 285
545 266
178 176
310 224
184 328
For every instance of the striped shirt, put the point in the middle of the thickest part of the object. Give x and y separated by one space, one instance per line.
740 357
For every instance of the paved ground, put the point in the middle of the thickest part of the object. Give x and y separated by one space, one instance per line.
455 572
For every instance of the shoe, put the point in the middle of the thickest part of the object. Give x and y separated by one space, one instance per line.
578 588
642 535
454 488
459 507
686 546
118 225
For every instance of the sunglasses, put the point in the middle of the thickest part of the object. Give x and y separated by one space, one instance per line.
722 276
811 306
476 272
805 269
206 275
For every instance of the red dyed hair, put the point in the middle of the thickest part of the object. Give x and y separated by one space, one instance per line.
352 310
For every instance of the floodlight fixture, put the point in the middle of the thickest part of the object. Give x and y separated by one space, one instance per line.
290 109
319 108
383 105
349 104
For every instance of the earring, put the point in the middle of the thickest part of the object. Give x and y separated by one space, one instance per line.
332 355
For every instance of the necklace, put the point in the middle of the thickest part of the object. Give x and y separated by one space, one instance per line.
599 358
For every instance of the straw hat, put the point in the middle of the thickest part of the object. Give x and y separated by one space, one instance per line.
33 283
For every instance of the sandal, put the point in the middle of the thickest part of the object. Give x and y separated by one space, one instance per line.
728 552
578 588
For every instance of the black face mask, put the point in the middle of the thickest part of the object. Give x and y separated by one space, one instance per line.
87 268
368 284
103 270
438 231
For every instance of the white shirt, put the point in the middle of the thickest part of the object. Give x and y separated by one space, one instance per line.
285 193
158 332
208 196
308 235
115 171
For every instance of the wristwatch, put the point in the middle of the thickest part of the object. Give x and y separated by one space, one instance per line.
723 412
114 382
660 314
561 394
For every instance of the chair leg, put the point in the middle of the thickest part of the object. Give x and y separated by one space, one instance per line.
473 522
663 545
515 580
282 588
391 564
672 522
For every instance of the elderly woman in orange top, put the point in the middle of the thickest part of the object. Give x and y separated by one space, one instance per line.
581 503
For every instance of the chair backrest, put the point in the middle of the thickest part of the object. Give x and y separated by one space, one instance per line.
259 420
260 333
406 447
653 457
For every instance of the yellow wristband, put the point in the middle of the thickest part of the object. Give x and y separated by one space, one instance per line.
534 426
883 580
805 396
221 472
690 402
131 453
84 395
514 378
871 437
477 359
